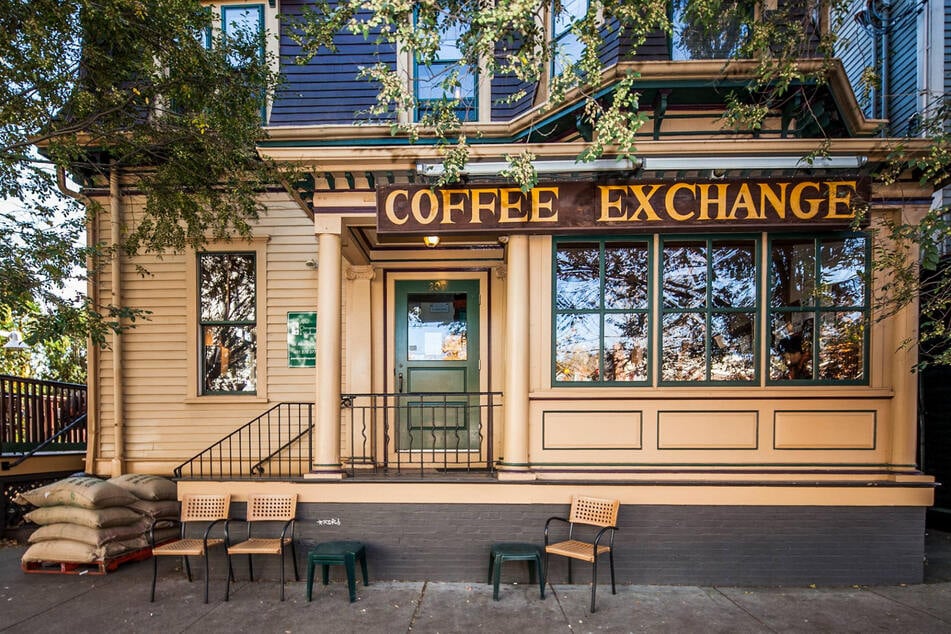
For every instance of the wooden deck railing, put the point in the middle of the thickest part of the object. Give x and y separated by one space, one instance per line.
35 413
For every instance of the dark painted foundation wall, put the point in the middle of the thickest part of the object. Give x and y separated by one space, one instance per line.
687 545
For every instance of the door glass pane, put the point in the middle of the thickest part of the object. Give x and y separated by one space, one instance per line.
436 327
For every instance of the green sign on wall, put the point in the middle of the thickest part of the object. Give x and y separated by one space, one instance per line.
302 339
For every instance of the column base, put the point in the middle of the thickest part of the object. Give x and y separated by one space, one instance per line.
522 475
325 475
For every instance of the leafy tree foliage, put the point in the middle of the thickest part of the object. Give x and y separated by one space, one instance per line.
90 86
512 39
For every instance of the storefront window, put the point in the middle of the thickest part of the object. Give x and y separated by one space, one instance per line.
818 309
227 322
601 312
708 318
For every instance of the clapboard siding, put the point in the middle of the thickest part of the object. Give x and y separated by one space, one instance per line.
903 72
325 90
161 423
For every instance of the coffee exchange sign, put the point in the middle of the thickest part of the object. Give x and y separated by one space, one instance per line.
641 206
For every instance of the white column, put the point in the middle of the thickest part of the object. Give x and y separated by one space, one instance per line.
327 423
513 464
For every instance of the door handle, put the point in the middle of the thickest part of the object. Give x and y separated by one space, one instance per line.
399 383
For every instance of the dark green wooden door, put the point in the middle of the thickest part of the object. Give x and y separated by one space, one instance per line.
437 357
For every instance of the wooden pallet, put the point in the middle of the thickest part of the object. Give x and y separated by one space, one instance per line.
90 568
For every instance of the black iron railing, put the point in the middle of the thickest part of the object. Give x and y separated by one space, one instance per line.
276 444
420 431
47 413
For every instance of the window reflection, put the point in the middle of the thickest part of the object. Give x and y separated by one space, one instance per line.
716 36
818 309
436 327
601 303
710 299
227 317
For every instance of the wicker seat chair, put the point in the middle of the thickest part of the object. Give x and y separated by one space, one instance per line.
588 522
204 510
266 511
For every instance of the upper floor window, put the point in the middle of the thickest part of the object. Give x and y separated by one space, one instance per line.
444 79
566 46
818 309
699 36
227 322
245 23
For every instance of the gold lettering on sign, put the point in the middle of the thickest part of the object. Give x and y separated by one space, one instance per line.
778 201
796 199
547 205
845 200
389 207
587 206
610 204
417 208
672 208
483 201
644 202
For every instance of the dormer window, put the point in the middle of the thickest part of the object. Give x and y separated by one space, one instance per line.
697 37
243 22
565 44
445 79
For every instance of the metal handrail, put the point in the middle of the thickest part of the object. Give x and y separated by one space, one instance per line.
244 452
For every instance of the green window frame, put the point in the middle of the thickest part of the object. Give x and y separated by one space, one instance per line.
429 84
819 309
227 322
601 332
243 21
709 312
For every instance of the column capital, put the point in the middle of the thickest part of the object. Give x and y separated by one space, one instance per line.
366 272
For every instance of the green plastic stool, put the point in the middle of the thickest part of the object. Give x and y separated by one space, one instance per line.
344 554
515 551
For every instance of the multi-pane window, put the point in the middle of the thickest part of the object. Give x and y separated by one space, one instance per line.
445 79
818 309
708 311
698 36
227 322
565 44
714 320
601 316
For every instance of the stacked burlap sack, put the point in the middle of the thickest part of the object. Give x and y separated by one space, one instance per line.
83 519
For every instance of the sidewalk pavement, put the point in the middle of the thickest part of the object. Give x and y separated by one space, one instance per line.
119 602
